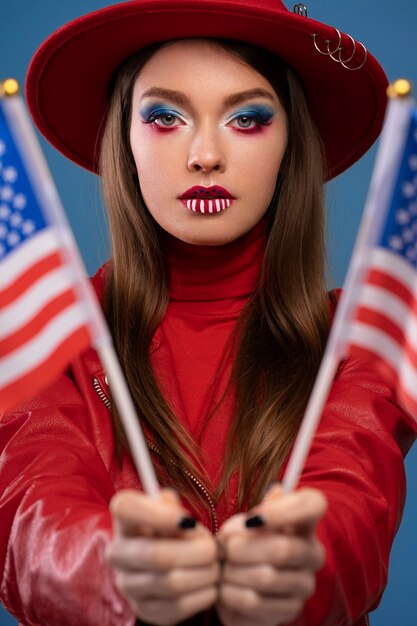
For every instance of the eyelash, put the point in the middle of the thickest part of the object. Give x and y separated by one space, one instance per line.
153 117
256 117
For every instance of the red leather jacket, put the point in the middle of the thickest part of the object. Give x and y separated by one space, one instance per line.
58 472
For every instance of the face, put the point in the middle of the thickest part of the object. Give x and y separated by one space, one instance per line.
208 135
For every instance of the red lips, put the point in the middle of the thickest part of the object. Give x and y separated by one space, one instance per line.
207 199
206 192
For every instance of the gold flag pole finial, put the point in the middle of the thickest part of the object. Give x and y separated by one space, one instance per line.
401 88
9 87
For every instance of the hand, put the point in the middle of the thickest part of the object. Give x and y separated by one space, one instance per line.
269 570
167 572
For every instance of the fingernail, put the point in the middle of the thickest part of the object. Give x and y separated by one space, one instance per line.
187 522
255 522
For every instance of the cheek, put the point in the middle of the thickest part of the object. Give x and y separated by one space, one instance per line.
152 159
264 164
143 148
264 169
271 159
263 148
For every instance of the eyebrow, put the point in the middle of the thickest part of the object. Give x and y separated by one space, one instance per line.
180 98
249 94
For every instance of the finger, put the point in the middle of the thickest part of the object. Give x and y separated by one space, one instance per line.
251 604
170 585
136 512
275 490
169 495
231 616
142 553
298 511
233 525
161 611
268 580
283 551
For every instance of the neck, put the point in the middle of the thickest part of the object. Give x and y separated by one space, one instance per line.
213 273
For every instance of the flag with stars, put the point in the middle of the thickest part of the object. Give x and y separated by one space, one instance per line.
44 319
383 323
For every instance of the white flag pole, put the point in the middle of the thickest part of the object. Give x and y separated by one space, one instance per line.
381 188
43 184
128 415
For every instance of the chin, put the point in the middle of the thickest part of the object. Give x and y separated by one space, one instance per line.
212 239
205 241
210 230
217 234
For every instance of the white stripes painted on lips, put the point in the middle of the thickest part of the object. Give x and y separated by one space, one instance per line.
206 205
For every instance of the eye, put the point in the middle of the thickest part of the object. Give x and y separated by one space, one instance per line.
162 118
245 121
250 120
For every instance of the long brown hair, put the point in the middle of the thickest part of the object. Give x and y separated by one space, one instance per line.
280 335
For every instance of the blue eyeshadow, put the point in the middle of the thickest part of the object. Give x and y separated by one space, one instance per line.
260 111
160 109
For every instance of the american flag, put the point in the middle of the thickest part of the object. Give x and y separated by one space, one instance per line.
384 326
48 309
43 320
376 318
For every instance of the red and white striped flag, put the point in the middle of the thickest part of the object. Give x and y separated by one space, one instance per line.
382 325
376 317
46 315
48 310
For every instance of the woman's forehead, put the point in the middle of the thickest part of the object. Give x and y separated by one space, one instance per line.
191 64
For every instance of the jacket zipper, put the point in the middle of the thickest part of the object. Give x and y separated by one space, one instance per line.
103 397
197 482
101 394
200 486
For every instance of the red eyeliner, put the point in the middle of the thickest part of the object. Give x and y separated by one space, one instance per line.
259 128
162 129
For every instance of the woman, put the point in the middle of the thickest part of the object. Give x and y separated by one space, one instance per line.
213 154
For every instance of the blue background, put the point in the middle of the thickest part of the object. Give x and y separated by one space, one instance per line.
388 29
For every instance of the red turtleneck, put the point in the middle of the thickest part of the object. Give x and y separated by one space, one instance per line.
209 288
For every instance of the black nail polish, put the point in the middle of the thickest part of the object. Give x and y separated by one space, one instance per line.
186 523
255 522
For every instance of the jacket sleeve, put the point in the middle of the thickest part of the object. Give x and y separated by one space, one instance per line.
55 523
357 461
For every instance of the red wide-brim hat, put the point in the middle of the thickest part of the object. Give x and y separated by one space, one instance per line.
68 80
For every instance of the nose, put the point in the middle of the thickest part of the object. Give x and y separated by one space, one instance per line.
206 153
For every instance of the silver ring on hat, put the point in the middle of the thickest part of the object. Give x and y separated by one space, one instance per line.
339 45
300 9
358 67
342 48
327 52
338 50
